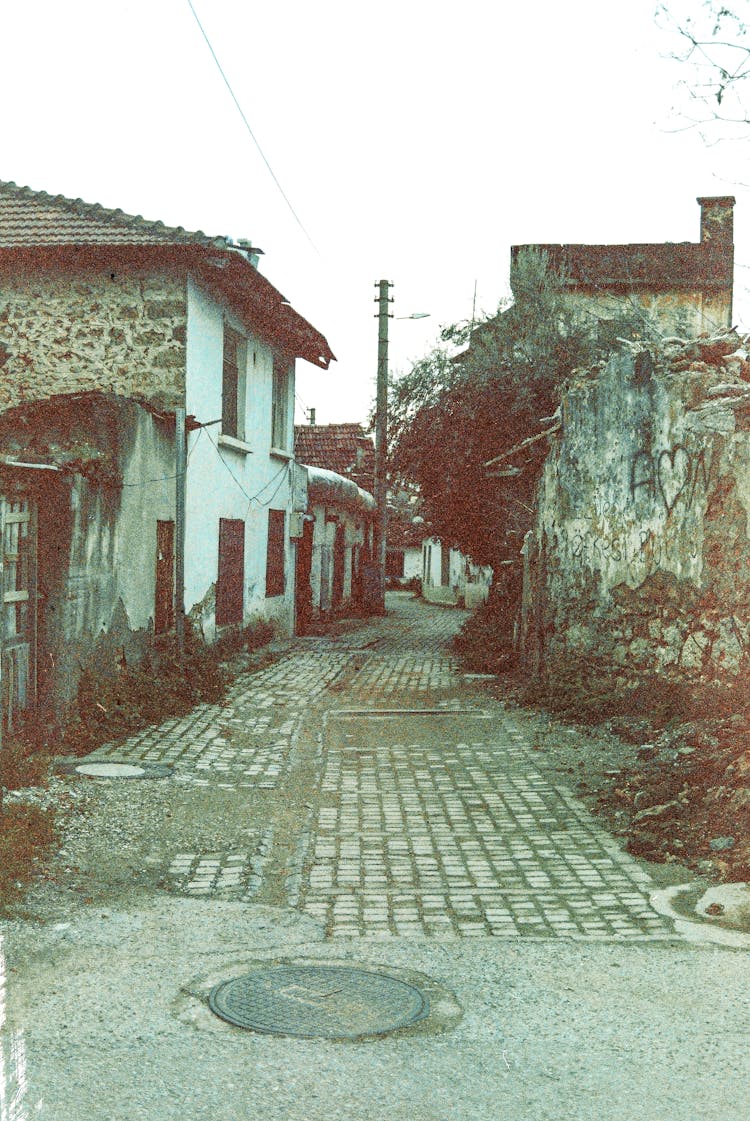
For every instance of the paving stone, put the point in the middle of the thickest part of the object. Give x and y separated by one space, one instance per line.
461 838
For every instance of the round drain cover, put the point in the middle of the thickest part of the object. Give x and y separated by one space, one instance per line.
318 1001
110 770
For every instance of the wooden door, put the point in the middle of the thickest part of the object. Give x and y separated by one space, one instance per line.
339 556
18 526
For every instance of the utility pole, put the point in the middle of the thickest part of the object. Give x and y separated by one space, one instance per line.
381 445
179 531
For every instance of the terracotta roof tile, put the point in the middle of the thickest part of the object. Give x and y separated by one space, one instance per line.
34 219
343 448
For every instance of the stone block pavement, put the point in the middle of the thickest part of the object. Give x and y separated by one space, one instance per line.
424 813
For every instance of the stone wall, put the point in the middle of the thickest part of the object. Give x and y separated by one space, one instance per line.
640 557
66 330
683 312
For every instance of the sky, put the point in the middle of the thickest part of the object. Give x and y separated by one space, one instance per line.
416 141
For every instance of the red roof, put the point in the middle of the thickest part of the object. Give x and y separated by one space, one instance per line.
343 448
35 219
36 222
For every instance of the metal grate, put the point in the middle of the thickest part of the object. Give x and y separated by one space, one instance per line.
318 1001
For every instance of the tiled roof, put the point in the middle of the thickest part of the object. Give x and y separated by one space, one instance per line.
35 219
343 448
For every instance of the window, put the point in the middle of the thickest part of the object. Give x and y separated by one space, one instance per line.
280 406
231 577
275 582
233 385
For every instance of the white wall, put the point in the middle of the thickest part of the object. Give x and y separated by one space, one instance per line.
467 582
321 571
232 479
412 564
99 578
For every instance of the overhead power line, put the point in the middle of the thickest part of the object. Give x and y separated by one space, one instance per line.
253 137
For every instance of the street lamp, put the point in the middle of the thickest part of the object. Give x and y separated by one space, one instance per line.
381 442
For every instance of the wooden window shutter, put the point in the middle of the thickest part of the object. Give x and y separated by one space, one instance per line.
231 581
275 582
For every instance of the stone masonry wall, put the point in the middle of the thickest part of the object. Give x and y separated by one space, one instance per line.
640 558
674 312
67 330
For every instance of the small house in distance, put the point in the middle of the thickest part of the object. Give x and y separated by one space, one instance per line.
336 539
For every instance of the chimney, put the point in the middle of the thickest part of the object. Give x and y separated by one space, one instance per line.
312 416
717 221
251 252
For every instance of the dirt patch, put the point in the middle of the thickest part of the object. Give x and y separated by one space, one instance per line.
677 790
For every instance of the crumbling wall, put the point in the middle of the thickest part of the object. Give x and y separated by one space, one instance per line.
97 530
673 311
640 557
67 330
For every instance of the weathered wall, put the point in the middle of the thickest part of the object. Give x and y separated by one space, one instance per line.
323 557
117 329
684 313
640 558
96 531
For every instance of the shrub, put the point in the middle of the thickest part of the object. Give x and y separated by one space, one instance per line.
485 642
23 759
26 834
163 685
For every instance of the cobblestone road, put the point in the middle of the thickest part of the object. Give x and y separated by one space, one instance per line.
423 811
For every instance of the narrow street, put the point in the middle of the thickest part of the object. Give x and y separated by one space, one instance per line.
361 801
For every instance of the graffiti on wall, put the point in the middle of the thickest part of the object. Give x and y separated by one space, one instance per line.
669 477
647 556
669 480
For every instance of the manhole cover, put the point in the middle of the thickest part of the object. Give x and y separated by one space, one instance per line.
318 1001
110 770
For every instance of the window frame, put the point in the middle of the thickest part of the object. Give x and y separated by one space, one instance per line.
233 383
280 381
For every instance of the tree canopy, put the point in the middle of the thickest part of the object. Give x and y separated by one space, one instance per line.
457 409
714 46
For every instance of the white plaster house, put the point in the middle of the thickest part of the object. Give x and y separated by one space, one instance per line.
136 320
336 539
335 545
450 577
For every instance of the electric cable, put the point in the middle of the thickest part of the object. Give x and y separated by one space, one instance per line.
250 131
